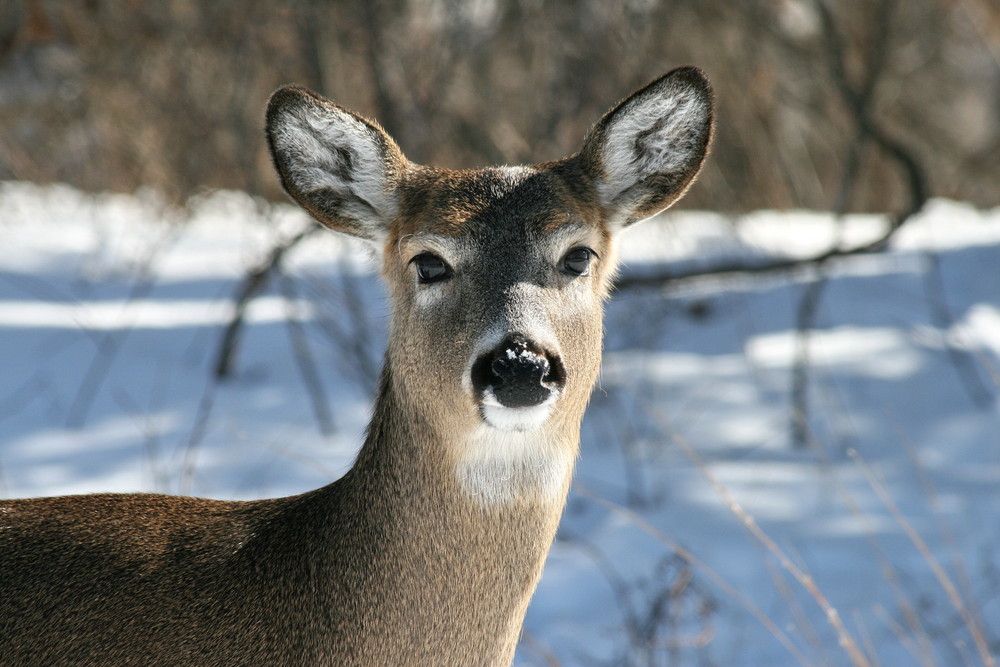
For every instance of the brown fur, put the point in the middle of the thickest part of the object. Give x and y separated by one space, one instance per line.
396 563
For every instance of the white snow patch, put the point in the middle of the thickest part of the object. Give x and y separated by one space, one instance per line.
883 381
881 353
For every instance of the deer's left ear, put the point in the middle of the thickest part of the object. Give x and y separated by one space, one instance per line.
644 153
342 168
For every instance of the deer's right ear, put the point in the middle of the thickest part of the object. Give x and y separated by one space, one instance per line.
646 151
340 167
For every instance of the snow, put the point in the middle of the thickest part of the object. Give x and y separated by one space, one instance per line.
111 310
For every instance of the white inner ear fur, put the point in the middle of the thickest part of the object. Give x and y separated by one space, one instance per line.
658 134
332 150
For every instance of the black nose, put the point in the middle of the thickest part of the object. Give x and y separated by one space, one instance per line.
518 372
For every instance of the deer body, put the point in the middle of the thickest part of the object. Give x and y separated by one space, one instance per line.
428 550
337 576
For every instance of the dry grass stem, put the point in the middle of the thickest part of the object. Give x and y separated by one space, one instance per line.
703 567
982 647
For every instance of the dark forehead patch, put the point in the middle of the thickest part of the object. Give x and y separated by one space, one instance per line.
454 203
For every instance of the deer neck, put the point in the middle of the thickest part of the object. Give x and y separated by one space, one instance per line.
419 456
445 548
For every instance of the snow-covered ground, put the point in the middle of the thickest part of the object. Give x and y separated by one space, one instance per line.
696 533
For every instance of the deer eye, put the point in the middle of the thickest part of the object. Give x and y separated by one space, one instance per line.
430 268
577 261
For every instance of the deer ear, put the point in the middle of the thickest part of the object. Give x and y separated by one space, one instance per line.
644 153
340 167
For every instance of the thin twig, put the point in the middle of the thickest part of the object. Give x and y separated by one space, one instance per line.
804 579
547 656
804 323
110 344
152 434
348 327
304 359
961 360
739 270
619 589
189 453
859 101
689 557
252 284
921 650
930 492
943 579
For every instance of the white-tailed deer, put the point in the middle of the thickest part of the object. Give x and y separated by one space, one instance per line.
428 550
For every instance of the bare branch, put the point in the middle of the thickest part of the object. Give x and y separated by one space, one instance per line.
305 361
252 284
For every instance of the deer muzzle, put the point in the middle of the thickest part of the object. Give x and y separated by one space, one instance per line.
518 373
